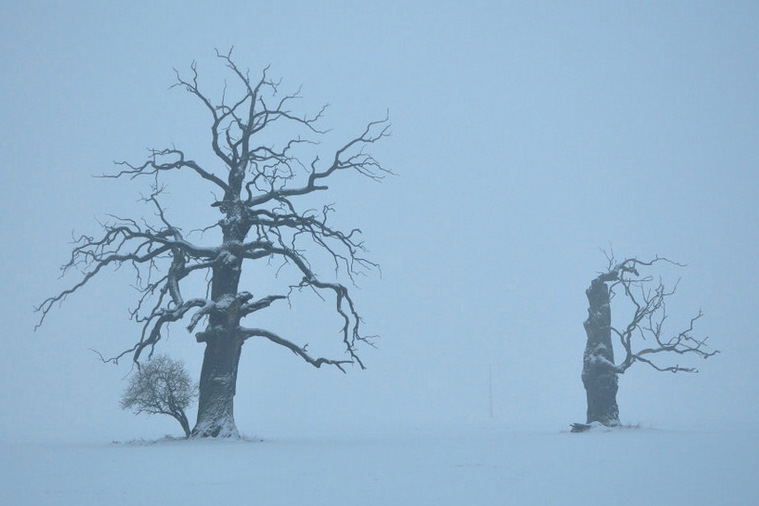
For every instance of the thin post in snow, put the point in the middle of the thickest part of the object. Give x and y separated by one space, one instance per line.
490 389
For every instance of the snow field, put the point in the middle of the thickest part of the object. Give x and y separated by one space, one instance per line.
481 466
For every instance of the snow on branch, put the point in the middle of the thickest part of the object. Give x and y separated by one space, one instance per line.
301 351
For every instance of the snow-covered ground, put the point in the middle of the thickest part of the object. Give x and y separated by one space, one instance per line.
476 465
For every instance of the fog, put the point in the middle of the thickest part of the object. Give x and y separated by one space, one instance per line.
526 138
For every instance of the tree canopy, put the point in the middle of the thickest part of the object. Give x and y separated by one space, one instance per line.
267 161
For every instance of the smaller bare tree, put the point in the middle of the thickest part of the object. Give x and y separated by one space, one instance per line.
643 338
161 386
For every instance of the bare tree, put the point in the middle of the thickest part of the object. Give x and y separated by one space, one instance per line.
643 338
269 173
161 386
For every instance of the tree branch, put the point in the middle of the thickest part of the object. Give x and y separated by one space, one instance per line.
154 165
298 350
649 315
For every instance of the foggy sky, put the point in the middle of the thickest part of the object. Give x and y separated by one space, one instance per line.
525 138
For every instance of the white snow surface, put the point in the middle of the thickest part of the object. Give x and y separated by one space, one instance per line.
481 465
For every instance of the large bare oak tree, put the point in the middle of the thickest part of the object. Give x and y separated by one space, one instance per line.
643 338
259 180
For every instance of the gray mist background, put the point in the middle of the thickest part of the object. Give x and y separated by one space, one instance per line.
526 136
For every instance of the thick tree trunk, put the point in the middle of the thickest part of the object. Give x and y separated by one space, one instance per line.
598 375
217 387
218 376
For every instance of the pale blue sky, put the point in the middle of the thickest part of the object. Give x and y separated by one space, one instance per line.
526 136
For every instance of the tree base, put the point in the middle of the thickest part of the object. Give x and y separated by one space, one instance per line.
580 427
226 430
595 426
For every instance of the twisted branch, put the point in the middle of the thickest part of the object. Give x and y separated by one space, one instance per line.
647 321
260 183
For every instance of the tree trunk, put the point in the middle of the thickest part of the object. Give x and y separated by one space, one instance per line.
182 419
598 375
218 376
217 387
